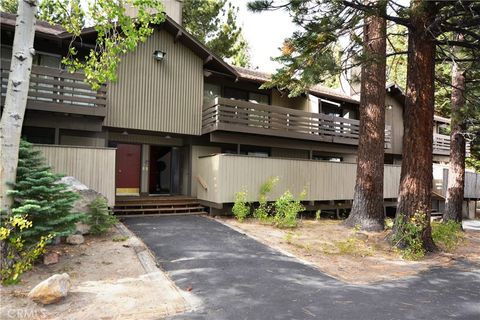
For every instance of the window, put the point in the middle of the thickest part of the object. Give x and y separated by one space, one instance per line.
237 94
210 92
258 98
39 135
327 158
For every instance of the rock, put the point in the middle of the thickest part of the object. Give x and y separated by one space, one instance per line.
75 239
50 258
361 236
86 194
82 228
51 290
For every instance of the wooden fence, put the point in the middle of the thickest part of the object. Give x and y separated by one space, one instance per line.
94 167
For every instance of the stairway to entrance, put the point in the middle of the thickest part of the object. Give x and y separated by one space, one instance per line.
165 205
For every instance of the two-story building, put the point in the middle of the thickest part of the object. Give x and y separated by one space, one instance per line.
181 121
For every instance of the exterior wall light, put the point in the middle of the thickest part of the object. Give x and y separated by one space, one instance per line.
159 55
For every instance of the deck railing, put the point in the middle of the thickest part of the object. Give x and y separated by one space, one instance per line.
58 90
441 144
247 117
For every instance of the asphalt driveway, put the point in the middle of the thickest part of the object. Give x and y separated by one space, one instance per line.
239 278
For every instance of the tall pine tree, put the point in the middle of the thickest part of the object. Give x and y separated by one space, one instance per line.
40 197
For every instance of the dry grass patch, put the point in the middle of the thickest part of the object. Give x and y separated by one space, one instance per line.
348 254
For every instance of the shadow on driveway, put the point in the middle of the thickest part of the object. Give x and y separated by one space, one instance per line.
237 277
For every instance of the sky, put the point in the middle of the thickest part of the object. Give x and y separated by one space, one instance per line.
265 33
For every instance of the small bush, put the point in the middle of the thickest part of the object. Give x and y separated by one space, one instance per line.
318 215
241 208
448 234
40 198
287 209
410 238
20 256
263 210
98 217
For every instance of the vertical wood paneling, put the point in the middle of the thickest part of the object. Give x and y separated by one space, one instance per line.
157 95
94 167
227 174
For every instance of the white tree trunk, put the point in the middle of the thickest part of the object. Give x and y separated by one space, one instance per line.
16 98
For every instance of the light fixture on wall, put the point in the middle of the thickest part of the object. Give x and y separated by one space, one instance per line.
125 133
159 55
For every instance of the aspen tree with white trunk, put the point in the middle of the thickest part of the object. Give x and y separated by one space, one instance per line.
16 98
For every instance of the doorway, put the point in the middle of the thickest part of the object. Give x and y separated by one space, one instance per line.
128 166
164 177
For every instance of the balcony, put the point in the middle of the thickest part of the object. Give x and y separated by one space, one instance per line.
246 117
441 145
58 90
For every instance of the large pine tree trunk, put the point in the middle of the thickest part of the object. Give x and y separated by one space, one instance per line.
416 174
367 209
16 98
456 170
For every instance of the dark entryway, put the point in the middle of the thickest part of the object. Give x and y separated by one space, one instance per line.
164 177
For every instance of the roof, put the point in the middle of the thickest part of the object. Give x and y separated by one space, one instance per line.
317 90
8 20
212 61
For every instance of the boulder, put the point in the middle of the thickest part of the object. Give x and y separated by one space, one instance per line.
82 228
86 194
51 290
75 239
50 258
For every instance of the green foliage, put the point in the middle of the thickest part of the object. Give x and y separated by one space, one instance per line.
9 6
40 197
98 217
318 215
448 235
263 210
214 23
473 163
20 256
62 12
241 208
408 237
119 238
287 209
117 34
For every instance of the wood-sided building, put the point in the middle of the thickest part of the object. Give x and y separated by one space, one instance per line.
181 121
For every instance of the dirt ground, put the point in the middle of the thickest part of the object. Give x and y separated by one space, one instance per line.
354 257
108 282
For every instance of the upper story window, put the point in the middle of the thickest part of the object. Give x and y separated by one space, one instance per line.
39 59
337 110
211 91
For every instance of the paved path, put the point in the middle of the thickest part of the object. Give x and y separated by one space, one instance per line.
239 278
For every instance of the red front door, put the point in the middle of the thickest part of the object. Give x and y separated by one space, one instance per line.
128 169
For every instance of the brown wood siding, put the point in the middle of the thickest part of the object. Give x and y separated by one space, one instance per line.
225 175
155 95
94 167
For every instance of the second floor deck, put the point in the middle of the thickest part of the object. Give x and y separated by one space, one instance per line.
57 90
247 117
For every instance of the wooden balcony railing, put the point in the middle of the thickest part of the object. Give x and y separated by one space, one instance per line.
242 116
58 90
441 144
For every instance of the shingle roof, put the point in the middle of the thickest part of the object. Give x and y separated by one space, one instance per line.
322 91
9 19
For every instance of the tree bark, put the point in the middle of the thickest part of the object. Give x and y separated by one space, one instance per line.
416 175
456 168
367 209
16 98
